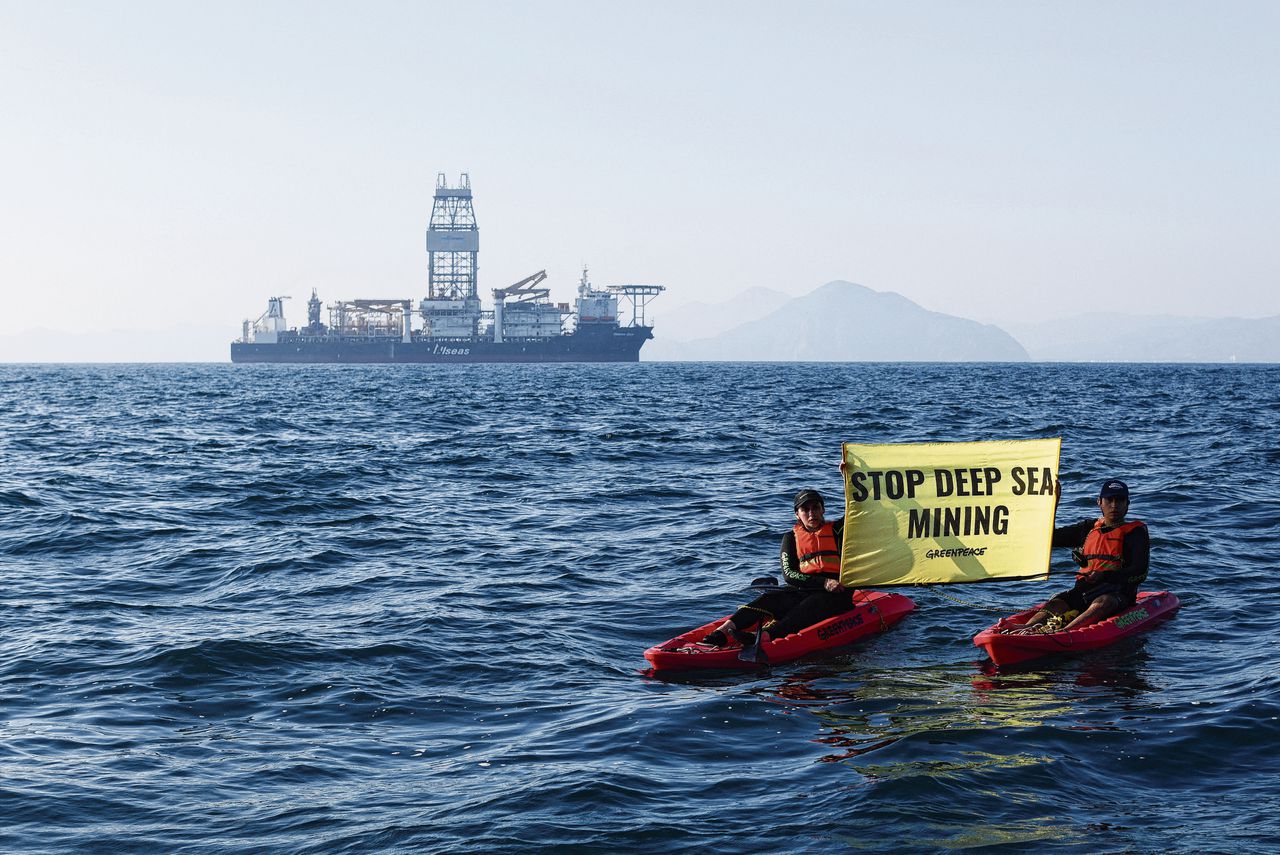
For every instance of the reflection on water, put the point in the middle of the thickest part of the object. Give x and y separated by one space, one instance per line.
978 751
1004 834
867 712
864 712
1124 679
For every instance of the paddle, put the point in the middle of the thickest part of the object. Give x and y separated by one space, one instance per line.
755 653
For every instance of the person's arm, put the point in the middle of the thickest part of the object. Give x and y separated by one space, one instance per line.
1137 555
832 583
791 574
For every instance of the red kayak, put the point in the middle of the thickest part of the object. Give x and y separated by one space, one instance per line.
1151 608
873 611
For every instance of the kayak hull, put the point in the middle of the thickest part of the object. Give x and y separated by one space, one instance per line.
1151 608
872 612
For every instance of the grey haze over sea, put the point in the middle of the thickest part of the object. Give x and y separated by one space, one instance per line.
402 608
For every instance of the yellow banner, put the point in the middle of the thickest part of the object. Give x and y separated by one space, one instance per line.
948 511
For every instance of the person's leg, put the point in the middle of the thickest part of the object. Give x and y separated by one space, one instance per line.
1060 605
1102 607
761 610
814 608
1036 619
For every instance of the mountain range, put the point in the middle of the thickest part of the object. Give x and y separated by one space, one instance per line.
1106 337
838 322
845 322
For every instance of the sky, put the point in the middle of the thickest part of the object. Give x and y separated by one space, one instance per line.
174 164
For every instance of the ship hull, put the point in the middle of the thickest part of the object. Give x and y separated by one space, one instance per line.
611 344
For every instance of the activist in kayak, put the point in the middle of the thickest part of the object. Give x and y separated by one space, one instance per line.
1113 555
810 559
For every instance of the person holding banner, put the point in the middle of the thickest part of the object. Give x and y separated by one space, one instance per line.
810 559
1113 556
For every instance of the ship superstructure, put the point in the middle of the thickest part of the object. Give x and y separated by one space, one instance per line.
523 326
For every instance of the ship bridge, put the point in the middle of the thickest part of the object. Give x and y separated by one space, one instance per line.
596 306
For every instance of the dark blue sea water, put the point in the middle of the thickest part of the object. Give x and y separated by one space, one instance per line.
398 609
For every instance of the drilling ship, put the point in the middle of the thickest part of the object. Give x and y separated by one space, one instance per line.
524 325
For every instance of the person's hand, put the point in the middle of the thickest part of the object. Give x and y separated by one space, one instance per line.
1057 492
833 586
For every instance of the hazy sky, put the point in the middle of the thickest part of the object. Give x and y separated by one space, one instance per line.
170 162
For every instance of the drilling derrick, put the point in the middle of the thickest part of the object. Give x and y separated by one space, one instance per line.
453 242
452 306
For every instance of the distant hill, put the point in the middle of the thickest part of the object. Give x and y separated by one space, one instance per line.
1102 337
845 322
704 320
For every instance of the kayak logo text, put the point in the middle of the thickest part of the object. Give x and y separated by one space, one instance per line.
840 626
1131 617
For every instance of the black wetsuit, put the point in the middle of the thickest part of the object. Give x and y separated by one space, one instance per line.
804 602
1136 557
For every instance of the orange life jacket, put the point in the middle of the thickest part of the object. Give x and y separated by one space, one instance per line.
817 550
1104 552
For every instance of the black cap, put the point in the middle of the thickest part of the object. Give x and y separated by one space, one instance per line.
1114 488
804 497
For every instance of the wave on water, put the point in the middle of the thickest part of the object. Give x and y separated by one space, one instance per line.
354 609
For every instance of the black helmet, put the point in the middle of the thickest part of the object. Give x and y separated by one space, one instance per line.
804 497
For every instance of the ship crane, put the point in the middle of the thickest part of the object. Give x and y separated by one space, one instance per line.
526 295
526 289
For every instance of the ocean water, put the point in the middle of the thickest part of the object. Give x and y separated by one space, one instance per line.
402 609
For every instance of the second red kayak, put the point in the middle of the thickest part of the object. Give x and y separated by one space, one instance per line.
1151 608
873 611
